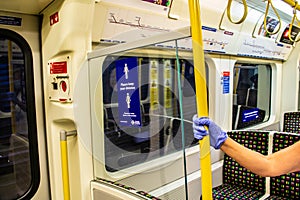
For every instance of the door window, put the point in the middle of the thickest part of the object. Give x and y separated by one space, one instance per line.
19 171
251 95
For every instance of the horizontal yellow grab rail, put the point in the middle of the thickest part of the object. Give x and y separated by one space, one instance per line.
292 3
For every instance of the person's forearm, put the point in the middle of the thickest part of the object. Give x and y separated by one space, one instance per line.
254 161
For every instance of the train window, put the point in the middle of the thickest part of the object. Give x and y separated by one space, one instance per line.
19 170
251 95
141 105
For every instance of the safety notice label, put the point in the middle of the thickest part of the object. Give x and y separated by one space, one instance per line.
12 21
128 92
58 67
226 82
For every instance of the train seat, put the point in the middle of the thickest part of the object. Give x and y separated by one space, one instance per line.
285 186
238 182
291 122
227 191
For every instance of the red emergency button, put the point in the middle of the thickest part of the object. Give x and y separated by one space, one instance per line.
63 86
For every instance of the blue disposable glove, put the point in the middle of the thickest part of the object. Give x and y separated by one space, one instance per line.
217 135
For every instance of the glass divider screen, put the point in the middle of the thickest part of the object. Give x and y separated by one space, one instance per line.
143 101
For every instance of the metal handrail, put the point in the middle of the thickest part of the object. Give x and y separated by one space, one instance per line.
64 161
201 96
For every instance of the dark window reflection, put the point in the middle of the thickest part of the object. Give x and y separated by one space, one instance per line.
251 98
15 172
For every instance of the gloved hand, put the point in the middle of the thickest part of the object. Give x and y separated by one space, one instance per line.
217 135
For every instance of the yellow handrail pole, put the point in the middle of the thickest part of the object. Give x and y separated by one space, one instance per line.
64 162
292 3
11 84
64 165
201 96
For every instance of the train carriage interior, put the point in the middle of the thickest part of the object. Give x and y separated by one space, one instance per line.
97 97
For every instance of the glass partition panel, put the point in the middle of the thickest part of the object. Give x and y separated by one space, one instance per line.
137 123
141 105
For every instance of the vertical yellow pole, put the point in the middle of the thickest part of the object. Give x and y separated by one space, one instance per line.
64 164
11 84
201 96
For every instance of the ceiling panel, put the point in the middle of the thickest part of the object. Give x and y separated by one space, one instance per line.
24 6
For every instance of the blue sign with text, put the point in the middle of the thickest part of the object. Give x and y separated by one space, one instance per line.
128 92
250 114
226 82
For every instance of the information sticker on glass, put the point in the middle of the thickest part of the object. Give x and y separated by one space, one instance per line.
128 92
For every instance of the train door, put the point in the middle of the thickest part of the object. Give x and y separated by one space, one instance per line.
23 171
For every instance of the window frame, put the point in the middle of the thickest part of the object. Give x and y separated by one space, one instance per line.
266 117
30 110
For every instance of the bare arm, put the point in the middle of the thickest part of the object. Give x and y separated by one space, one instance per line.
285 161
